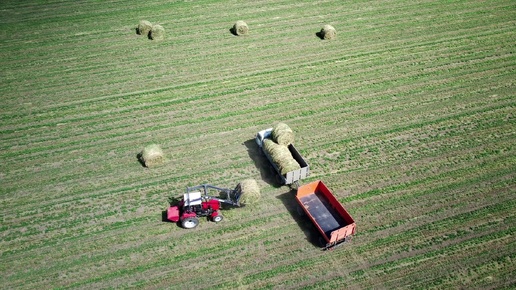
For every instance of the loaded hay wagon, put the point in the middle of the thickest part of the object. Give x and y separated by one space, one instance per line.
331 219
287 176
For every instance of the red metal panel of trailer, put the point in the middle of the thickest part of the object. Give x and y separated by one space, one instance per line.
329 216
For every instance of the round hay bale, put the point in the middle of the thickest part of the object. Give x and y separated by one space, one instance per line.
144 27
328 32
250 191
281 156
240 28
152 155
282 134
157 32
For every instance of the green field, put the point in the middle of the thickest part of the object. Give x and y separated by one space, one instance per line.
408 116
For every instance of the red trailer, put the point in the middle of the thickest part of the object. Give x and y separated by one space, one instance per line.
329 216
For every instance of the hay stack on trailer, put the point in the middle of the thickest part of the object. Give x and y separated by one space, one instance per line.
282 134
281 156
286 160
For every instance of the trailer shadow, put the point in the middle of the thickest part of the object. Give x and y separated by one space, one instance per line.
289 201
267 172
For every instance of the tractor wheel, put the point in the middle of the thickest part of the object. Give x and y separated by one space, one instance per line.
218 218
190 222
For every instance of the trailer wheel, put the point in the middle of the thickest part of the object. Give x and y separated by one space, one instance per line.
279 179
218 218
326 246
190 223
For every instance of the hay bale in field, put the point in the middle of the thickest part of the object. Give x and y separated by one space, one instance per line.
250 191
328 32
282 134
240 28
144 27
281 156
157 32
151 155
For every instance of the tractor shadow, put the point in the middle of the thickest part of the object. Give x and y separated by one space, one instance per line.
267 172
165 219
296 212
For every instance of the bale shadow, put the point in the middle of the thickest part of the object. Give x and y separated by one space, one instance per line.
296 212
139 157
267 172
232 30
138 32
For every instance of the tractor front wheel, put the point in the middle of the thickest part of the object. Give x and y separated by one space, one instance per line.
190 222
217 218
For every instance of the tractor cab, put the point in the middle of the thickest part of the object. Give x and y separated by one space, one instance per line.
192 201
200 204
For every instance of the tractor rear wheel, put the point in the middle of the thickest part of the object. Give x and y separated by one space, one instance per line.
190 222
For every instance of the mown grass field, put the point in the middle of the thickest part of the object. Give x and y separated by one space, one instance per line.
408 116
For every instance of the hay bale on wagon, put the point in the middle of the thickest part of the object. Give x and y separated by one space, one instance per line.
144 27
250 191
157 32
240 28
328 32
151 155
281 156
282 134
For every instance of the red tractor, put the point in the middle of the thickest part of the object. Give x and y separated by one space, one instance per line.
197 203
